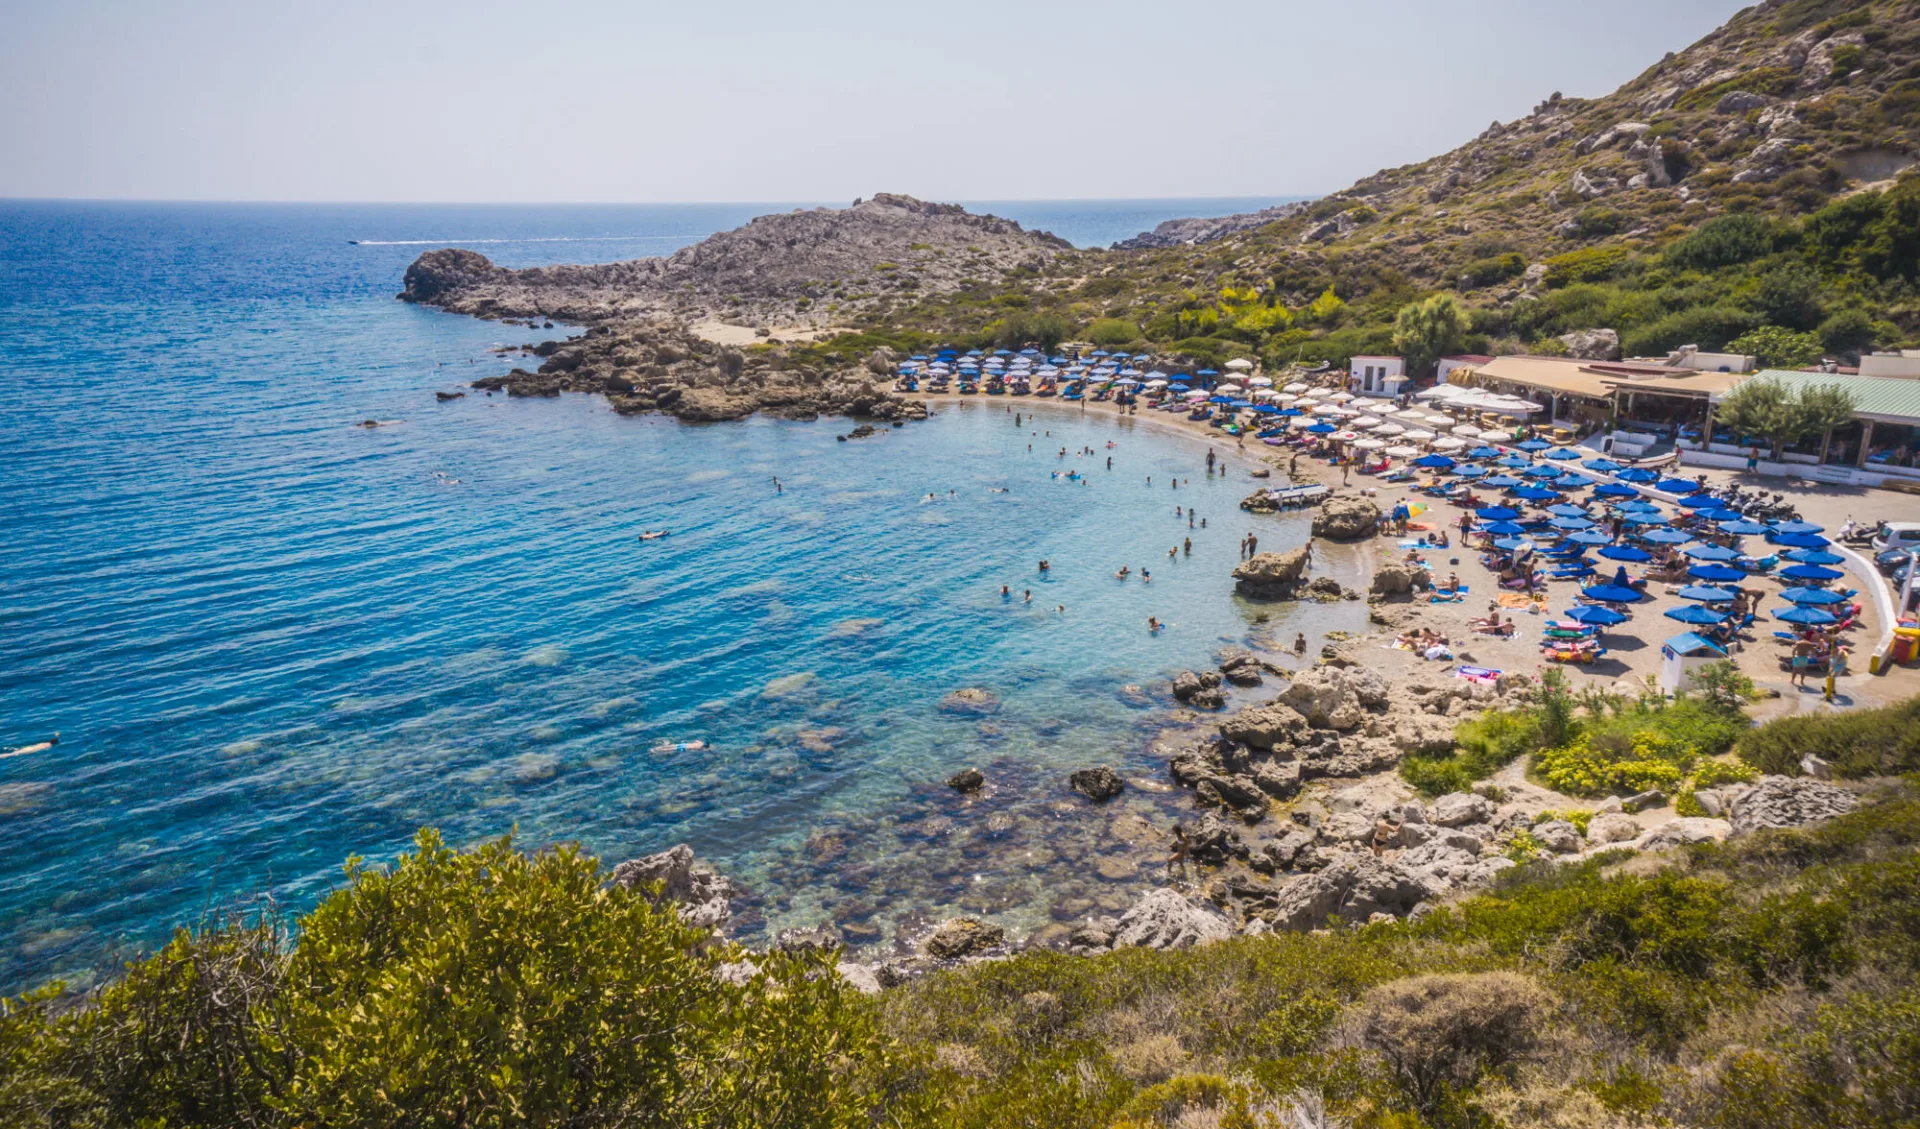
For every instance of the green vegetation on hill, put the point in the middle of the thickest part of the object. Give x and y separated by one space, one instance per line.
1744 190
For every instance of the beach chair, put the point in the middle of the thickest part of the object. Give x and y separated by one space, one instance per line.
1571 571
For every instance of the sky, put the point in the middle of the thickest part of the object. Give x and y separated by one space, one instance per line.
747 100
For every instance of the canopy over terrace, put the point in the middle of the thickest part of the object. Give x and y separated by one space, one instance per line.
1457 397
1563 388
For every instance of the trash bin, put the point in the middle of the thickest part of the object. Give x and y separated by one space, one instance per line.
1906 643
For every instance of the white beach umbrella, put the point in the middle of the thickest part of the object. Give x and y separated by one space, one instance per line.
1156 384
1345 436
1403 452
1341 397
1296 386
1284 400
1198 394
1227 389
1440 420
1239 364
1449 444
1261 382
1389 429
1326 410
1365 422
1467 431
1369 444
1419 435
1412 414
1264 394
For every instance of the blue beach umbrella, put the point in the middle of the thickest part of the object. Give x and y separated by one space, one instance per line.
1503 528
1533 445
1741 528
1511 543
1484 453
1813 617
1588 537
1665 537
1710 553
1811 572
1716 573
1322 428
1636 474
1496 513
1604 466
1290 412
1571 524
1541 470
1562 454
1514 462
1694 613
1625 553
1178 387
1814 557
1799 540
1676 486
1503 481
1615 490
1706 593
1597 616
1566 509
1571 481
1717 515
1470 471
1797 527
1612 594
1440 462
1812 596
1700 501
1535 493
1206 372
1647 519
1638 505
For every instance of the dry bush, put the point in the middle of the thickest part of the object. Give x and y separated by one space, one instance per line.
1542 1103
1443 1032
1150 1059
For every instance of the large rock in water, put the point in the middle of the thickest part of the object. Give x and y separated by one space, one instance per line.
1271 575
1272 725
701 895
1346 518
1165 920
1332 697
1785 801
1097 784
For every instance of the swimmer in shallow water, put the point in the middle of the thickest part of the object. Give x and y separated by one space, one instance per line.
1123 573
654 534
1153 625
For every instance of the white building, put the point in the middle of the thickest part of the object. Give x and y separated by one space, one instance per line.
1463 360
1904 365
1377 376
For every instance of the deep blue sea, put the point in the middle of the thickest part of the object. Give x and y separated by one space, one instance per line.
270 639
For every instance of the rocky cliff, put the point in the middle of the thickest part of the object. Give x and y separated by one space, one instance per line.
823 266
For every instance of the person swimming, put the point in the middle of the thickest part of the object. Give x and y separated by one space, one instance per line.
1153 625
1146 577
654 534
1123 573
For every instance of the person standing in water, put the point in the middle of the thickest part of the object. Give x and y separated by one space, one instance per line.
777 488
1189 546
1253 544
1209 460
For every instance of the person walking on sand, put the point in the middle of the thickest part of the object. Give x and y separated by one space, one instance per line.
1753 460
1346 469
1802 659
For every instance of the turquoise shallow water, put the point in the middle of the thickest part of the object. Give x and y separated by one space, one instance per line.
271 639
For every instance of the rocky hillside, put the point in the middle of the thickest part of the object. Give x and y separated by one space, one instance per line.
812 267
1789 103
1176 233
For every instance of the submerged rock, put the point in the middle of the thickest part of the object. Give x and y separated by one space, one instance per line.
962 936
1097 784
970 700
967 780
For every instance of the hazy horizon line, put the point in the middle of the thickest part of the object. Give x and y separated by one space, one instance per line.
1281 197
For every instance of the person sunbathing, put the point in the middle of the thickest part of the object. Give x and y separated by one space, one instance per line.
1413 557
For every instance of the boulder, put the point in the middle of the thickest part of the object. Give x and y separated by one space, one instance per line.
1164 919
1346 518
1612 827
670 878
1097 784
1399 580
1333 697
820 938
1281 780
859 977
1185 685
1270 575
1213 842
1279 853
1457 809
1741 101
967 780
1641 801
1558 836
1784 801
1592 344
1274 725
1679 832
1352 886
962 936
1208 698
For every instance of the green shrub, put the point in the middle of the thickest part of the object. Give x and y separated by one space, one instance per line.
1722 242
1709 327
1482 746
1589 264
1775 347
1486 272
1774 81
1857 742
1113 331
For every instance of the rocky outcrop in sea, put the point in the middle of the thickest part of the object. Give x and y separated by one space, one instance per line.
1176 233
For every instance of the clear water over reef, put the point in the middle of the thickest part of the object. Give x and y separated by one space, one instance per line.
270 638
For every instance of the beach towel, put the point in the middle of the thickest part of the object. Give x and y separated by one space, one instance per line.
1514 600
1477 674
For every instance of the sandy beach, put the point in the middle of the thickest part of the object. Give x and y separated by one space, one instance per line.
1633 648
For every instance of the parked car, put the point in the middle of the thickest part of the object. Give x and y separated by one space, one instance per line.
1897 535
